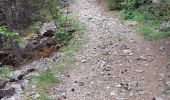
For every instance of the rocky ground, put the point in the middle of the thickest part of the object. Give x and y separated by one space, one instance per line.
115 63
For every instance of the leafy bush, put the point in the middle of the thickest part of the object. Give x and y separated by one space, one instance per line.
147 12
115 4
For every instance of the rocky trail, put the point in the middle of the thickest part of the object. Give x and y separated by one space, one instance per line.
115 63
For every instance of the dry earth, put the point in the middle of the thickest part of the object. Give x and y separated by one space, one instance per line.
115 63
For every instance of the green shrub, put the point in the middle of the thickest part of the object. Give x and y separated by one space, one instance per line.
114 4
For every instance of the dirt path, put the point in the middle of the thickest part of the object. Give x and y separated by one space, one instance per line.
114 63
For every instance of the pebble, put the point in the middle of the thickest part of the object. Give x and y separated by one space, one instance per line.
113 93
139 71
128 52
157 98
64 95
132 41
36 96
83 61
118 86
117 98
81 83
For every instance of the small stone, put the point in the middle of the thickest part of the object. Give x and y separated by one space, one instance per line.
81 83
107 87
139 71
157 98
64 95
107 69
161 48
73 90
36 96
142 58
113 93
102 73
132 41
128 52
117 98
92 82
118 86
88 93
142 92
33 86
83 61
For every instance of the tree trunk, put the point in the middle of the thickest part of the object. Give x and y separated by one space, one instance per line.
15 49
9 6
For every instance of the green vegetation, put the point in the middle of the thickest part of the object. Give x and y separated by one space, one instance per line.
44 79
5 72
151 15
47 78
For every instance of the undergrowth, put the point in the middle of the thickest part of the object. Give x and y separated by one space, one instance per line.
149 15
71 45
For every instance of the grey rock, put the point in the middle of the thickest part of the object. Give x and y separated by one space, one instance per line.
17 87
35 96
158 98
14 97
24 83
113 93
16 74
7 92
55 56
83 61
118 86
165 26
156 1
128 52
41 65
81 83
139 71
3 83
142 58
117 98
48 29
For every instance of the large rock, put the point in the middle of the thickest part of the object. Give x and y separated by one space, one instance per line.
3 83
156 1
18 74
48 29
17 87
14 97
5 93
165 26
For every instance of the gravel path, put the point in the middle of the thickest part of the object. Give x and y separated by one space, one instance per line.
115 63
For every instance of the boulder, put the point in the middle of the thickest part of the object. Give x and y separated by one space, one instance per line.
17 87
165 27
14 97
5 93
3 83
48 29
18 74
